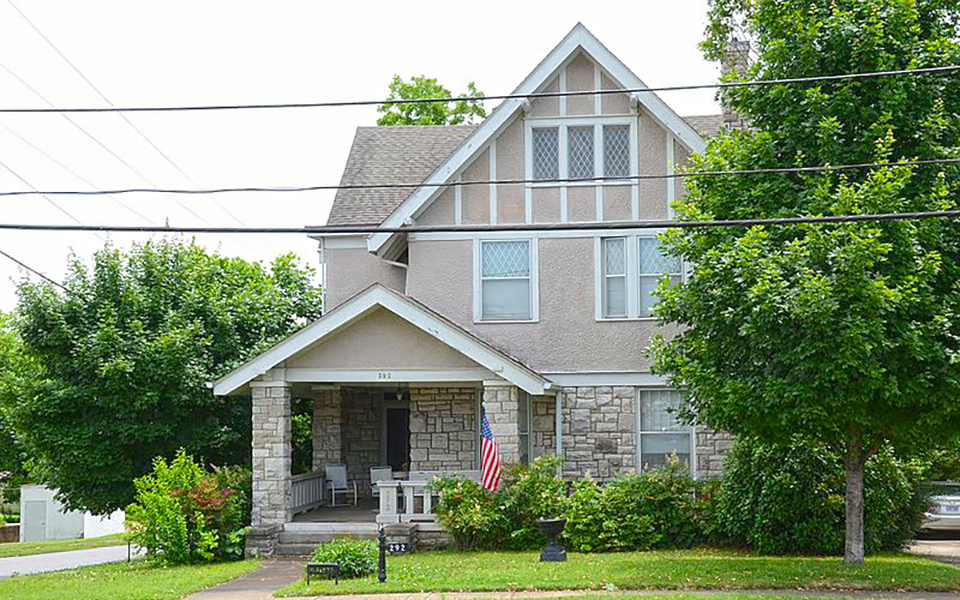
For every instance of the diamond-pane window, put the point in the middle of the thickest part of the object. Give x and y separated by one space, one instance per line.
580 152
616 150
546 153
654 264
505 281
506 259
614 277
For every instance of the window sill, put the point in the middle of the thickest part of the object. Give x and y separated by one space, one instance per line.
507 322
625 319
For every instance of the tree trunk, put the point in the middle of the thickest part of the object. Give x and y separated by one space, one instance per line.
854 460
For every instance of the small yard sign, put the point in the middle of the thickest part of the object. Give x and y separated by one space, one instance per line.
330 570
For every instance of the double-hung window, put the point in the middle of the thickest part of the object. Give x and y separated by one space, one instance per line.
629 269
653 265
505 282
614 277
662 435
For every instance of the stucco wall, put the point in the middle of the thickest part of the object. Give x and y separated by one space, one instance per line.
382 340
350 270
566 338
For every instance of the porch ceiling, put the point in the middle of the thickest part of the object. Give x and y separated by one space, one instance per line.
382 336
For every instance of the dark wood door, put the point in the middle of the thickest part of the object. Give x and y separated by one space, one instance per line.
398 438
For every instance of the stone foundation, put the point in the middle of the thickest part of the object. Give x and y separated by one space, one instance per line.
443 429
544 425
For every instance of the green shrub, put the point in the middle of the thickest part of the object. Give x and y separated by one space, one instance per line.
182 514
471 515
790 499
357 558
530 493
655 509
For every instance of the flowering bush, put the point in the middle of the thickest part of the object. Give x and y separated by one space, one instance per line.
182 514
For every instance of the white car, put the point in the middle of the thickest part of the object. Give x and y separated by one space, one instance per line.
944 511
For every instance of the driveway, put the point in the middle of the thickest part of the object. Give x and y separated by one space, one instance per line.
945 550
57 561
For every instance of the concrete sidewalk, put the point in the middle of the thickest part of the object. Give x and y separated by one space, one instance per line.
947 551
259 585
614 594
58 561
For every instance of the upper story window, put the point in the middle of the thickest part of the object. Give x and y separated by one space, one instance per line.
616 150
629 269
580 155
615 277
546 153
581 148
506 283
654 264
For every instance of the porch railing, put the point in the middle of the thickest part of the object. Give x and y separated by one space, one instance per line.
410 501
306 491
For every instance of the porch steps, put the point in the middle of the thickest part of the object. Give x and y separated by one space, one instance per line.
299 539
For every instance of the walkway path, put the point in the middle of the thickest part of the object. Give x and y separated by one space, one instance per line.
259 585
57 561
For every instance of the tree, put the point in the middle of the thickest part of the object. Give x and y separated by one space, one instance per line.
429 113
846 334
18 372
128 350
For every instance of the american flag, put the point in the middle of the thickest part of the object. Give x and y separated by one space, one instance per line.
489 456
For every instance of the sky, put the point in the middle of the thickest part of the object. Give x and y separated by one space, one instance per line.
175 52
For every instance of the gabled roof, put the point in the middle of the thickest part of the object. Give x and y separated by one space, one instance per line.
706 125
362 304
579 39
390 155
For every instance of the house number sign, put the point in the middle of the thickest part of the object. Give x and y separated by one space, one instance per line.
384 375
398 548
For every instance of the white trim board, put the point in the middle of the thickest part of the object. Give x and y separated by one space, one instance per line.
362 304
579 39
607 378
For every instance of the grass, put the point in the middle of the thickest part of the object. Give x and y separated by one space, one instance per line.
139 580
25 548
680 569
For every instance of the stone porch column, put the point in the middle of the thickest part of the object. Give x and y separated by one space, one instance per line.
327 422
502 404
271 464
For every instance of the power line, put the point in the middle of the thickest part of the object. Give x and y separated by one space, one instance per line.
520 227
380 186
34 271
107 100
530 96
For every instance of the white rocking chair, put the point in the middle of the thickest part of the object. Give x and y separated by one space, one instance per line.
336 476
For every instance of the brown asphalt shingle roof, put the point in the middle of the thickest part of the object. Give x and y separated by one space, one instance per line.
390 155
409 155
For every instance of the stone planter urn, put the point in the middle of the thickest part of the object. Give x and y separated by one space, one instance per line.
551 529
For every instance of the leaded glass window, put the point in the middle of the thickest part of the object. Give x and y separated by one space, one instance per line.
546 153
505 280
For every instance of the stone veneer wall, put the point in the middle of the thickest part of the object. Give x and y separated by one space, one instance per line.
327 420
502 404
443 428
361 432
271 454
543 427
712 448
599 431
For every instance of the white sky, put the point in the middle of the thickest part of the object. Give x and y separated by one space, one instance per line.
174 52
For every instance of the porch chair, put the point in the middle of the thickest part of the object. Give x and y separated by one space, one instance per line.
379 474
336 476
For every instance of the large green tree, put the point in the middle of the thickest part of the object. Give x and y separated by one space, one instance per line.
128 350
847 334
18 371
457 112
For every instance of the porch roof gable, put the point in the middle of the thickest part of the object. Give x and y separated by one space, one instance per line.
363 304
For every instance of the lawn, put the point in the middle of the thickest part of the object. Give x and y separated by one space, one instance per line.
25 548
139 580
688 569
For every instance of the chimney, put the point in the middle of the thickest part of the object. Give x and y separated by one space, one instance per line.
737 58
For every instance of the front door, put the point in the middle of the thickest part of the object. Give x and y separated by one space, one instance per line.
398 438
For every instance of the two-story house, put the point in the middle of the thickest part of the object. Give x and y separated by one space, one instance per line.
544 330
